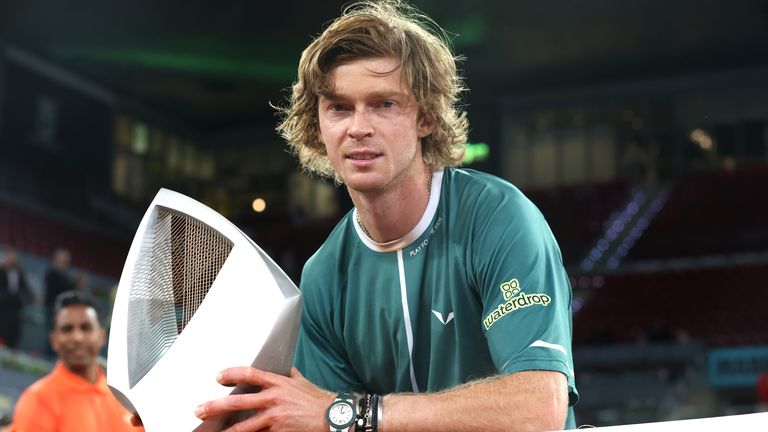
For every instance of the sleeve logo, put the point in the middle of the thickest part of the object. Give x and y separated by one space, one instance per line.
515 299
510 289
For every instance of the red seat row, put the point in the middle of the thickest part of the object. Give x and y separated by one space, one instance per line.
715 305
41 235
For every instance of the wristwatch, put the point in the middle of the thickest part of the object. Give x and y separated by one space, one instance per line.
341 414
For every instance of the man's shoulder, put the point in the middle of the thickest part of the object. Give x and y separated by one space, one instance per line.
334 246
44 388
463 180
40 406
471 190
52 276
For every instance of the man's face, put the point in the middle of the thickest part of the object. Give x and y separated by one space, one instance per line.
9 259
77 336
61 259
370 125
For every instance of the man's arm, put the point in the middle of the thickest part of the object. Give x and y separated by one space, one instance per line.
523 401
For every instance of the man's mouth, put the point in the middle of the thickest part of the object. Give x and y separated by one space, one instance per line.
78 352
363 156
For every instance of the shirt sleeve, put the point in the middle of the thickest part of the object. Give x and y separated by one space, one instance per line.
32 414
524 289
320 354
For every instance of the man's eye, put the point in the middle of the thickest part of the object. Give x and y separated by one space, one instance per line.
338 107
387 104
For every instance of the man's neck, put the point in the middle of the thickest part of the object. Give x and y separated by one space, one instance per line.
390 215
89 373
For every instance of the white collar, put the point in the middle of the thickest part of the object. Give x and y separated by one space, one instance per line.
417 231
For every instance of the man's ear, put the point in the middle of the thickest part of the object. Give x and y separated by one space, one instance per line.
426 125
52 341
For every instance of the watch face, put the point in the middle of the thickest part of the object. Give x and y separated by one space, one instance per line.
341 414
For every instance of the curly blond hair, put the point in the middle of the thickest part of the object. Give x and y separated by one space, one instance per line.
370 29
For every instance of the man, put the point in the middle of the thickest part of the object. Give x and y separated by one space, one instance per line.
57 281
74 397
440 300
14 295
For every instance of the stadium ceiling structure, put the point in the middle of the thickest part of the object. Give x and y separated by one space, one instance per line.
218 65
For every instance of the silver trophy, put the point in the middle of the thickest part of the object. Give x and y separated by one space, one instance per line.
196 296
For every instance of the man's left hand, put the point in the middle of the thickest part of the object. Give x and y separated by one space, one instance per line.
284 403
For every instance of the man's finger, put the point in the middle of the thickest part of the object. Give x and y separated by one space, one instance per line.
246 375
232 403
255 422
296 374
135 420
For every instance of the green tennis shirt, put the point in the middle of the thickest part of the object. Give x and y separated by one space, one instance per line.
476 289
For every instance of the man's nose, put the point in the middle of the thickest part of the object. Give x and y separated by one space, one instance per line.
78 335
361 126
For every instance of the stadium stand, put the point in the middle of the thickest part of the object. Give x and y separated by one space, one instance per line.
38 234
712 305
576 214
724 205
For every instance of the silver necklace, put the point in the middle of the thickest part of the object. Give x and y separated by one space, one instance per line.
365 230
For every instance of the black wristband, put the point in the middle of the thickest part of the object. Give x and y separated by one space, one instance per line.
375 413
363 413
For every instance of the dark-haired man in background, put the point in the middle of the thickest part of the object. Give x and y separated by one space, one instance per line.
74 397
14 295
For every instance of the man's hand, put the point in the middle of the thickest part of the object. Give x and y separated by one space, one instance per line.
284 403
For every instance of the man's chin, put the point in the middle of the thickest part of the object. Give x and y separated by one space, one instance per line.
360 183
78 364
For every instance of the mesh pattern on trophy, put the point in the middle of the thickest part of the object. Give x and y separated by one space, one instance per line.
179 258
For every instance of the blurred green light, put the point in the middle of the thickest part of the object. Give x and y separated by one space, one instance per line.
476 152
469 30
193 63
473 30
140 138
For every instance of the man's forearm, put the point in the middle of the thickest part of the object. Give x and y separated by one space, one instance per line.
524 401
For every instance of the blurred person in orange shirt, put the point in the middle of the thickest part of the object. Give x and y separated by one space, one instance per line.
74 397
